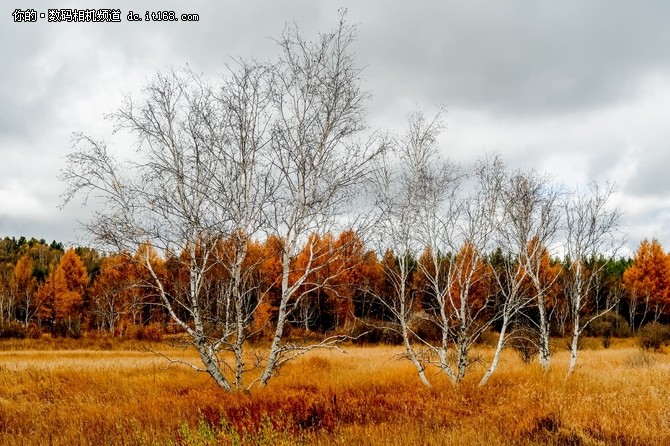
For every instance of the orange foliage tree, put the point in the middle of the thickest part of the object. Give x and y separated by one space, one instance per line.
370 282
114 292
337 268
61 296
647 280
270 271
25 287
314 270
353 264
471 282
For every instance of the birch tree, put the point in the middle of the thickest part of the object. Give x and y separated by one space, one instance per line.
196 181
419 206
415 191
591 228
320 158
396 194
461 288
532 221
270 150
508 270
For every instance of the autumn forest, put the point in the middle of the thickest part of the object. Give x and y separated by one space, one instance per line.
47 289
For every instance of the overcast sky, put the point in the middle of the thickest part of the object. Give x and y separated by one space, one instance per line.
578 89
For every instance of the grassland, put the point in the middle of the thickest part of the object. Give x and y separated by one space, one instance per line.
87 393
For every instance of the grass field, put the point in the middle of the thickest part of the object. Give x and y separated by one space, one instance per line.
76 393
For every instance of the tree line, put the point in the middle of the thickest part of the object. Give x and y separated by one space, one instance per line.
66 292
639 285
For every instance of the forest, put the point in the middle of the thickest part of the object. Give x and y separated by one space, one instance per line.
45 289
48 289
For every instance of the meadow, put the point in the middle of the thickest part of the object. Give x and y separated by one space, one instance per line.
79 392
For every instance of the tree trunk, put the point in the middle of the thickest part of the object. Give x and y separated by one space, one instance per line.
544 351
445 342
574 345
496 355
211 366
412 356
632 310
281 320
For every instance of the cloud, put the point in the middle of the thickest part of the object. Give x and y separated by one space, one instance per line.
17 201
578 89
519 57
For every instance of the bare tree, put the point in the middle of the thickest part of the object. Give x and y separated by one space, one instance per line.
460 285
200 179
273 150
591 228
401 176
318 161
416 196
434 185
506 266
471 298
420 207
533 220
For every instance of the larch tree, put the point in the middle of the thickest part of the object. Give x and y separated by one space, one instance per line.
76 279
25 286
112 291
61 296
52 290
647 280
344 288
330 287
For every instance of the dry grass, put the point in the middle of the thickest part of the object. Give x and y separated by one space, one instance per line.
617 396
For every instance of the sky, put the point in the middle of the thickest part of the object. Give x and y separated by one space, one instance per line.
576 89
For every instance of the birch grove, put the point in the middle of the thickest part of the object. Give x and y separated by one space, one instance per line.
277 155
272 150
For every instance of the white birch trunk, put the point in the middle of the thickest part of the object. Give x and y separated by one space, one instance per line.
544 351
411 354
496 356
574 345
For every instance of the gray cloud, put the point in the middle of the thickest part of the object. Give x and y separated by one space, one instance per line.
520 57
575 88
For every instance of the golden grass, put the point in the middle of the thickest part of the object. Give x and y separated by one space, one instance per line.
617 396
